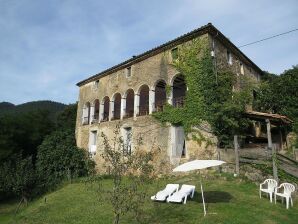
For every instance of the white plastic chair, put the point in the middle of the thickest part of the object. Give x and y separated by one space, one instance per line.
288 189
182 194
268 186
163 194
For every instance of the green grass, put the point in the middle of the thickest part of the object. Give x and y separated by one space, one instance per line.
228 200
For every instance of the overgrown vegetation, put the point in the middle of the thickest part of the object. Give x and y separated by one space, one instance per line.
38 153
214 97
279 94
130 170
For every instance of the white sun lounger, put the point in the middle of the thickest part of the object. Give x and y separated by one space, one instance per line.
162 195
183 193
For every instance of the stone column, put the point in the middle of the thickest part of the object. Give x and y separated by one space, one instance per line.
101 108
273 150
136 105
170 96
111 110
91 113
123 108
151 101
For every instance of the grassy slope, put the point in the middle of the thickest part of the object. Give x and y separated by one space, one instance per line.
229 201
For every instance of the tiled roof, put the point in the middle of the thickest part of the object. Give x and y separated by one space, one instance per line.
209 28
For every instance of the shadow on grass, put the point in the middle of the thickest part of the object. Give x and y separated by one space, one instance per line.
213 197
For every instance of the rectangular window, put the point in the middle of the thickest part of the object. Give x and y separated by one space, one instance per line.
92 142
128 72
127 136
229 57
95 85
241 69
174 53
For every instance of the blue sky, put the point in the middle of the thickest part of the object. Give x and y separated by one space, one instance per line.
46 47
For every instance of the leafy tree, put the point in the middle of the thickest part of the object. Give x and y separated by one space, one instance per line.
58 158
17 177
67 118
130 171
23 133
279 94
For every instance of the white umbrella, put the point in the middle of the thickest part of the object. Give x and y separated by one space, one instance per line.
198 165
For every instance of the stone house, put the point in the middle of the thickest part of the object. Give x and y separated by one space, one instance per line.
128 93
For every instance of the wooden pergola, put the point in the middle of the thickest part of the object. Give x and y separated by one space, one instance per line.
275 119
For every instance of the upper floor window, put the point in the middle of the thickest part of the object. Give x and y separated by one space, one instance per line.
95 84
229 57
241 69
174 53
128 72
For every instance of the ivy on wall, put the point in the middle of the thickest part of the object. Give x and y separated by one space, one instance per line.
210 95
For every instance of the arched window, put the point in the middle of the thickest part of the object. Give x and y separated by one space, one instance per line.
144 101
95 115
160 95
129 109
86 113
106 108
179 91
117 106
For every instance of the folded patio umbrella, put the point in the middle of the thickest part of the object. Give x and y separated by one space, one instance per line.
198 165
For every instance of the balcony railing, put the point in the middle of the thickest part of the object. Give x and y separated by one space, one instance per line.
95 118
179 101
143 111
159 105
128 114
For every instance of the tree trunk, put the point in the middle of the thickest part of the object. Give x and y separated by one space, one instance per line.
116 218
236 146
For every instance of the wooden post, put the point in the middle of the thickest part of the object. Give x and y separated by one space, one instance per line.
236 146
273 150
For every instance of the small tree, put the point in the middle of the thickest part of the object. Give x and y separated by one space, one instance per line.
130 171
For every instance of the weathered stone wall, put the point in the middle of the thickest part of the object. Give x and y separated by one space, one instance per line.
153 134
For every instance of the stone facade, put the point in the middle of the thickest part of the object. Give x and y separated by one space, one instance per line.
98 111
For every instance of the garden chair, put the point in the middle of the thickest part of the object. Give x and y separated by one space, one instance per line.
268 186
182 194
288 189
163 194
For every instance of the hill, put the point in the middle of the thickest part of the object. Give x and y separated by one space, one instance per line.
229 200
51 106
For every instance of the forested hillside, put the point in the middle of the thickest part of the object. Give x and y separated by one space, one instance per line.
52 107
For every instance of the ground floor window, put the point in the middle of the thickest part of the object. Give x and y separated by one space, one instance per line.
92 143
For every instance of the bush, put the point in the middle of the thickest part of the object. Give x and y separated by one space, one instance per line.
58 159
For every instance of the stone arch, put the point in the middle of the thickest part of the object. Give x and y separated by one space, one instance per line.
129 103
143 102
160 97
105 108
178 90
116 107
95 110
86 113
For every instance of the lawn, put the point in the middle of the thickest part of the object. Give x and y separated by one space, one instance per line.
229 200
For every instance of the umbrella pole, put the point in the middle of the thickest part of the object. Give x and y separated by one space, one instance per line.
202 195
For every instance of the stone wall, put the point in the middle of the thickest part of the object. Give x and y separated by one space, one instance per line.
153 134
